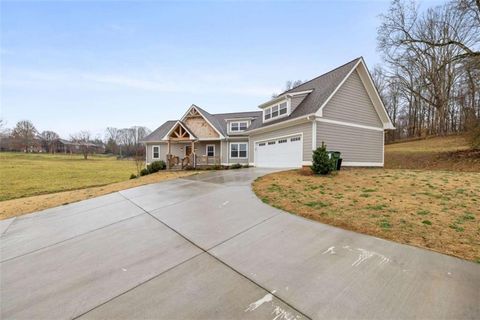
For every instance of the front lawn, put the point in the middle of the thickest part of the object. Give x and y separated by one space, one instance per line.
29 174
438 210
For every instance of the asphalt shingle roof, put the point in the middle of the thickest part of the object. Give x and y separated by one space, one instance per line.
322 86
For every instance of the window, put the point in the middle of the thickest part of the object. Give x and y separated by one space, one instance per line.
238 150
210 150
294 139
261 144
238 126
282 141
275 111
271 142
156 152
268 113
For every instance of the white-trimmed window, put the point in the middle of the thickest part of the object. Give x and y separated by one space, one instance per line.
156 152
239 150
210 150
275 111
238 126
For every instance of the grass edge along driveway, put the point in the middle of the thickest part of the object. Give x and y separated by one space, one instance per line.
436 210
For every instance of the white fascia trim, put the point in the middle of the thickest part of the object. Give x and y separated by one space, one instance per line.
349 124
362 164
283 96
204 118
320 111
174 126
275 125
239 119
387 124
208 139
314 134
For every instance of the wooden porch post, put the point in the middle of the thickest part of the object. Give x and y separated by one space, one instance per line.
168 155
193 154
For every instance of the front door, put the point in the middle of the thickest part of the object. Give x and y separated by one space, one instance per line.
188 151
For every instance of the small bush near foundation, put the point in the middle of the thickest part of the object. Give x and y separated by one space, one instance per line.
144 172
236 166
322 163
246 166
133 176
156 166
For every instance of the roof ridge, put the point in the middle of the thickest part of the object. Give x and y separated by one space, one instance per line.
323 74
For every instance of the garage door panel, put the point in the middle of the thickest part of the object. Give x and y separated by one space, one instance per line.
287 154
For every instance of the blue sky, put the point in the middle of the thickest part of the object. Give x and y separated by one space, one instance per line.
70 66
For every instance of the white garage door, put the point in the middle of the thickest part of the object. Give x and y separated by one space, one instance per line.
279 153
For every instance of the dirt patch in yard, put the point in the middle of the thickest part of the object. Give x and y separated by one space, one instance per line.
17 207
437 210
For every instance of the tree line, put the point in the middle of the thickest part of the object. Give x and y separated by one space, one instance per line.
24 137
430 78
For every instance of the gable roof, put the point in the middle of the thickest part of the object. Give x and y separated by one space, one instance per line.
323 86
176 124
208 117
158 134
222 118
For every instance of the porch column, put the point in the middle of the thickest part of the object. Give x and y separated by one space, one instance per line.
168 154
193 153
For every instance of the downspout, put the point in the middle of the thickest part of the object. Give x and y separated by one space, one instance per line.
313 118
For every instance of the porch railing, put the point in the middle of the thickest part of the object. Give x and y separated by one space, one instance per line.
206 161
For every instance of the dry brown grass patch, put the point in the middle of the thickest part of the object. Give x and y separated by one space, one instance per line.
437 210
17 207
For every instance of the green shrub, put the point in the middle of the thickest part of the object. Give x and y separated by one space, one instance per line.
246 166
322 163
156 166
217 167
236 166
133 176
144 172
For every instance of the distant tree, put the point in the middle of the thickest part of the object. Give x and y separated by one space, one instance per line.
83 139
24 135
111 140
289 85
49 140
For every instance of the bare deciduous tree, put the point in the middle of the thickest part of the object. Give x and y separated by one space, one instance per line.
49 140
24 135
83 139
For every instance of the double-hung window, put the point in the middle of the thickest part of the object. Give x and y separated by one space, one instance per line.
275 111
156 152
210 150
238 126
238 150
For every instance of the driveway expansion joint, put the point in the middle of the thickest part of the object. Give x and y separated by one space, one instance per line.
220 261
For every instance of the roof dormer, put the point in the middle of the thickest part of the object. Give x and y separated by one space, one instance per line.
282 106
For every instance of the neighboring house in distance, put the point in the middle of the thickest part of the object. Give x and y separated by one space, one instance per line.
341 108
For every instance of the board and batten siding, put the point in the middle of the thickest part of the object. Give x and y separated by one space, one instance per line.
304 128
351 103
357 145
226 152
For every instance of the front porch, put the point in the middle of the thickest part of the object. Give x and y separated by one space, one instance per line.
184 150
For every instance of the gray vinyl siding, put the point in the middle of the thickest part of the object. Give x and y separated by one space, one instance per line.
163 152
355 144
305 128
201 147
226 152
351 103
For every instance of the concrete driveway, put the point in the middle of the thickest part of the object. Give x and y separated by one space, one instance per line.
205 247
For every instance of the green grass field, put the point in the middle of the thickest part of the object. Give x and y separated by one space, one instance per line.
23 175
